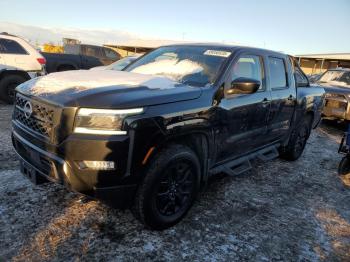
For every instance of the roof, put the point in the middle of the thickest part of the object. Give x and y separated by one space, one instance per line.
226 46
335 56
144 45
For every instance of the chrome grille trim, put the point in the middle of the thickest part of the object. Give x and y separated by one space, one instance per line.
41 121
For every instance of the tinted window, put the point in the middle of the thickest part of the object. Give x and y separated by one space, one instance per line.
278 75
111 54
8 46
92 51
249 66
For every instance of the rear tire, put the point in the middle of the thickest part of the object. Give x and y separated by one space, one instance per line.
7 87
297 140
169 188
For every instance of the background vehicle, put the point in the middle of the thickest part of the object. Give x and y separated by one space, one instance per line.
119 65
80 57
344 165
19 61
148 137
336 83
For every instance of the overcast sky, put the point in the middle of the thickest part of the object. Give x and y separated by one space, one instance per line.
295 27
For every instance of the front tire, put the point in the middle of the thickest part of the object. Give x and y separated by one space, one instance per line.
169 188
7 87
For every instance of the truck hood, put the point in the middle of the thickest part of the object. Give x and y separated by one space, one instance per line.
107 89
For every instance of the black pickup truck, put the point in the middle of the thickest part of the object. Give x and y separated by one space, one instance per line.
80 57
150 136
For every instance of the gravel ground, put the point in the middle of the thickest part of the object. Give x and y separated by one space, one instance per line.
280 211
8 158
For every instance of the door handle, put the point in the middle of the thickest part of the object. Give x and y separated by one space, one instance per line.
265 102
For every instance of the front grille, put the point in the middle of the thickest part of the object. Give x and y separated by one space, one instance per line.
41 120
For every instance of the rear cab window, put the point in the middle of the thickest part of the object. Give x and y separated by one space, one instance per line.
8 46
92 51
110 53
277 73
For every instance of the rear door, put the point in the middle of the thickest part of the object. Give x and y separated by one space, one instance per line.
283 96
244 116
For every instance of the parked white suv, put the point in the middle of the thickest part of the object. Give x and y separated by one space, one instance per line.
19 62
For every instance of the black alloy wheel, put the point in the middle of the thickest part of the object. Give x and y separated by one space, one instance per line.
175 189
170 186
302 136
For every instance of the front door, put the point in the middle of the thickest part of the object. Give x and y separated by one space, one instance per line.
243 116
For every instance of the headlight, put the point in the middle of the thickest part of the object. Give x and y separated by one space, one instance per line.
102 121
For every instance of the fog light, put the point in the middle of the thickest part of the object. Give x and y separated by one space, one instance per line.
97 165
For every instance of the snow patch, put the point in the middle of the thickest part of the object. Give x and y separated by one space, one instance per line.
2 210
81 80
148 247
172 68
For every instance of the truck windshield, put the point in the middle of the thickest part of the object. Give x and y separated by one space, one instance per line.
190 65
337 77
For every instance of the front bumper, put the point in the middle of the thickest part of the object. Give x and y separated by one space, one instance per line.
58 163
336 109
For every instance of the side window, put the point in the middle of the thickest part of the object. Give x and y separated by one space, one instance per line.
110 53
278 74
8 46
249 66
92 51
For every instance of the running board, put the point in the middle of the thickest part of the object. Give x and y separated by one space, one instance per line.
269 154
243 164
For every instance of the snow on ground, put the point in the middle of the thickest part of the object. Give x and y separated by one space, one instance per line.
290 211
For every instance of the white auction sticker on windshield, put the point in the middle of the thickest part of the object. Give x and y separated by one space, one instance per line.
217 53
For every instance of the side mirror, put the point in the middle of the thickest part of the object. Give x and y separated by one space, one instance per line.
243 85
